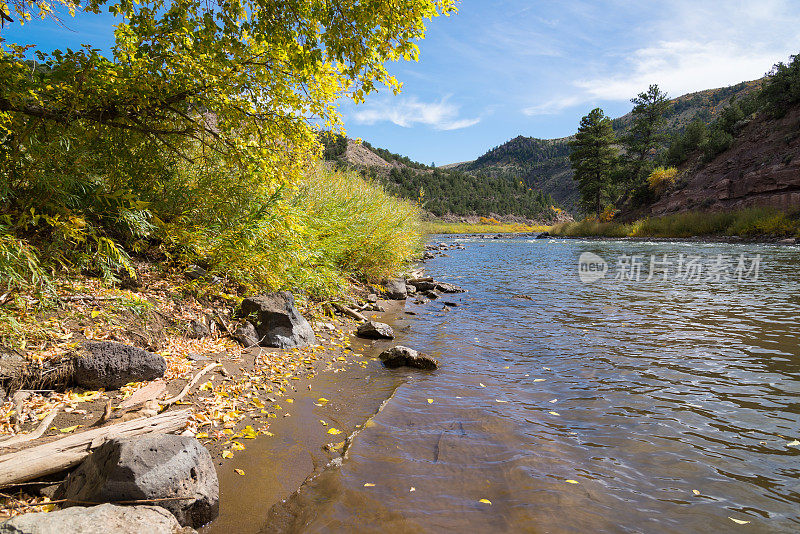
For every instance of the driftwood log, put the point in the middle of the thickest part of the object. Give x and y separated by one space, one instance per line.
347 311
55 456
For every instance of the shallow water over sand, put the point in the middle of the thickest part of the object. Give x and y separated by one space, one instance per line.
672 405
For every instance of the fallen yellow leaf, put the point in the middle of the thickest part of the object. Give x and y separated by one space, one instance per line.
430 401
539 379
69 429
485 501
323 423
696 492
554 413
237 446
369 485
738 521
334 431
95 313
570 481
227 454
239 472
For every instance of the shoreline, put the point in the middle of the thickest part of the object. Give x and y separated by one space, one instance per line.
302 447
245 399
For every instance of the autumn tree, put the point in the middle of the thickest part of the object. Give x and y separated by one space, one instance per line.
594 158
646 134
199 117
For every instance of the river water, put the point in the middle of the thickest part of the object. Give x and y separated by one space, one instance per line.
622 405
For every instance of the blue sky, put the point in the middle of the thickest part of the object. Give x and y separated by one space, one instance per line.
499 69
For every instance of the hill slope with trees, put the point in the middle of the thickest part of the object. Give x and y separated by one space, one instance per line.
544 163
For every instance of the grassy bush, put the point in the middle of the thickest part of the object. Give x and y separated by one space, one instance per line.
749 222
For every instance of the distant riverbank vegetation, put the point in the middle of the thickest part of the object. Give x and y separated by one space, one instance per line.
440 227
753 222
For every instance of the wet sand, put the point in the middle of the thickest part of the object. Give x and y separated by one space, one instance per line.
276 466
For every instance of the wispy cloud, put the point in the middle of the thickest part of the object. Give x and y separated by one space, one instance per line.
721 43
410 111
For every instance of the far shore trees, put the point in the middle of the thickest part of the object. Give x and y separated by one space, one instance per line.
594 158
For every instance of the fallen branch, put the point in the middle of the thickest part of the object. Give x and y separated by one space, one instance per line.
347 311
55 456
41 429
188 386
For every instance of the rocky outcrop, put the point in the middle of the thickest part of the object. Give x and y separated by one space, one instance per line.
277 321
761 168
161 466
401 356
375 330
111 365
102 519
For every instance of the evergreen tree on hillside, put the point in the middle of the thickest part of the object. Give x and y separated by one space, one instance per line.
594 159
646 134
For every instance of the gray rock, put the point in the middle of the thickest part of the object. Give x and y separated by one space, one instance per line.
424 285
428 256
789 241
277 321
444 287
110 365
375 330
396 289
372 297
102 519
198 329
543 235
246 334
150 467
401 356
410 289
195 357
195 272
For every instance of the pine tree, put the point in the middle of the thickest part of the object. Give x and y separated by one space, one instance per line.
647 132
594 158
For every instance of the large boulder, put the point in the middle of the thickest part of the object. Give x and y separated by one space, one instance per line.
110 365
277 321
375 330
396 289
160 466
401 356
102 519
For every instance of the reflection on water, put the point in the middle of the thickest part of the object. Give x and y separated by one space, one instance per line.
617 406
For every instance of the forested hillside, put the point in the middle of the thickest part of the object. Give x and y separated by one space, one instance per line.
441 191
543 164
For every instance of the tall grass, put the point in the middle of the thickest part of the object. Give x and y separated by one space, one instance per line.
746 223
438 227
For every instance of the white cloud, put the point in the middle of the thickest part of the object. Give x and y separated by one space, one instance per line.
690 47
681 67
407 112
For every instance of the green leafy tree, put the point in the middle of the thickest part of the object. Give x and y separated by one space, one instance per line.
646 134
594 158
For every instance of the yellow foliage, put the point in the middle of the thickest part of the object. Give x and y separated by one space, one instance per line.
662 178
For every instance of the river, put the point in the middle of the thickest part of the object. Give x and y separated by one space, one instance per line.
663 401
